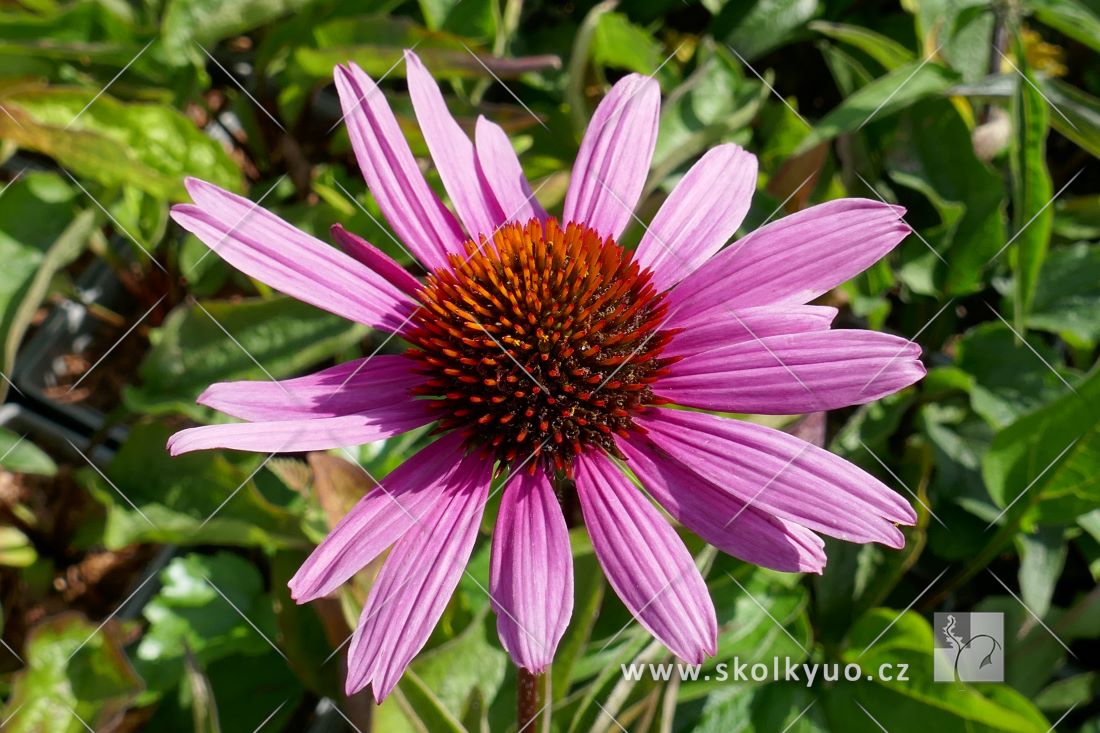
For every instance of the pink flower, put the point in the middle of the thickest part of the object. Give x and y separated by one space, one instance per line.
544 351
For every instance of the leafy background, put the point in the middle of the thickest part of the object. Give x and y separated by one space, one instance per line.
142 592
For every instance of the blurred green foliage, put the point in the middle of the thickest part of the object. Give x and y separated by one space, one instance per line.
981 117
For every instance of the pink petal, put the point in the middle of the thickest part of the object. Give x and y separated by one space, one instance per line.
782 475
502 172
531 580
795 373
405 497
415 583
794 259
265 247
702 214
285 436
375 259
723 327
645 561
452 152
352 387
614 157
413 210
718 516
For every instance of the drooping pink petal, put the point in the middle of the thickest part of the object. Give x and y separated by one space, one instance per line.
645 561
794 259
375 259
782 475
718 516
415 583
416 214
499 167
531 572
452 152
702 214
408 495
724 327
355 386
614 157
304 434
265 247
794 373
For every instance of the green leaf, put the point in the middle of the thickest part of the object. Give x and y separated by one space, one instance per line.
1053 453
43 41
150 146
377 43
212 613
1073 18
205 22
762 615
932 154
1076 114
780 706
1034 652
919 704
469 18
1077 217
190 614
426 708
473 659
870 427
713 104
881 98
882 49
959 31
449 683
41 232
959 439
191 351
1064 694
621 44
1032 189
16 550
19 455
1042 558
1067 294
73 669
154 497
1009 380
756 28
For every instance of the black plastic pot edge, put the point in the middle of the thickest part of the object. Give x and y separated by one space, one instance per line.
54 438
65 328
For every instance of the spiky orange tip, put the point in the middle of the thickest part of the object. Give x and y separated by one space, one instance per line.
541 342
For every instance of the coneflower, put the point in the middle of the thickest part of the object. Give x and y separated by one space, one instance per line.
546 353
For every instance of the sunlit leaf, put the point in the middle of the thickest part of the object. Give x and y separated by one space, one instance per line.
150 146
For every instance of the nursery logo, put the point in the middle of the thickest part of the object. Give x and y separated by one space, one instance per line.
969 647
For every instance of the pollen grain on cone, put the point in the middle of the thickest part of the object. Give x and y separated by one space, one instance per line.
540 342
